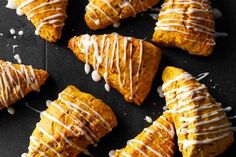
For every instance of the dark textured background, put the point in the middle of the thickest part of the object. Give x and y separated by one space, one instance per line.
65 69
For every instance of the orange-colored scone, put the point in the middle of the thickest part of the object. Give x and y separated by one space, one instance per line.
71 123
102 13
48 16
188 25
127 64
17 80
202 127
158 140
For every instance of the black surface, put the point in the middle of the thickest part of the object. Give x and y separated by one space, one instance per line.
65 69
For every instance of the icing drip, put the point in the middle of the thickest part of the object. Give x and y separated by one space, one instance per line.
51 19
11 110
20 33
175 24
204 124
160 92
17 58
11 4
148 119
12 31
95 10
217 13
74 129
24 155
10 82
101 53
48 103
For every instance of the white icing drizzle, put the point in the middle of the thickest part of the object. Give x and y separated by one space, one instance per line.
221 34
80 124
79 127
101 55
51 19
146 146
98 117
182 104
124 4
202 76
38 141
149 132
175 24
233 117
188 143
10 84
26 104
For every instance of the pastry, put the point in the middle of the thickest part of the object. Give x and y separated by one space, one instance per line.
102 13
127 64
186 24
17 80
158 140
48 16
71 123
202 127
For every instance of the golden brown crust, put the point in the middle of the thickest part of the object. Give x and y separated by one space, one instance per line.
17 80
141 77
203 129
192 31
112 11
51 30
157 141
92 117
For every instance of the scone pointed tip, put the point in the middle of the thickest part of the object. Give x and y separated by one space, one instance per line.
41 75
170 72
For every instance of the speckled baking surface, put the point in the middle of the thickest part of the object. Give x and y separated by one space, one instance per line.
64 69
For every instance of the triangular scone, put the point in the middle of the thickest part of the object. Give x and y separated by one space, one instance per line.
48 16
202 127
127 64
158 140
102 13
71 123
17 80
186 24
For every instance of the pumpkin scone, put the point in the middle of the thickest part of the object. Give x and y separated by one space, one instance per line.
17 80
47 16
71 123
102 13
127 64
186 24
201 124
158 140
